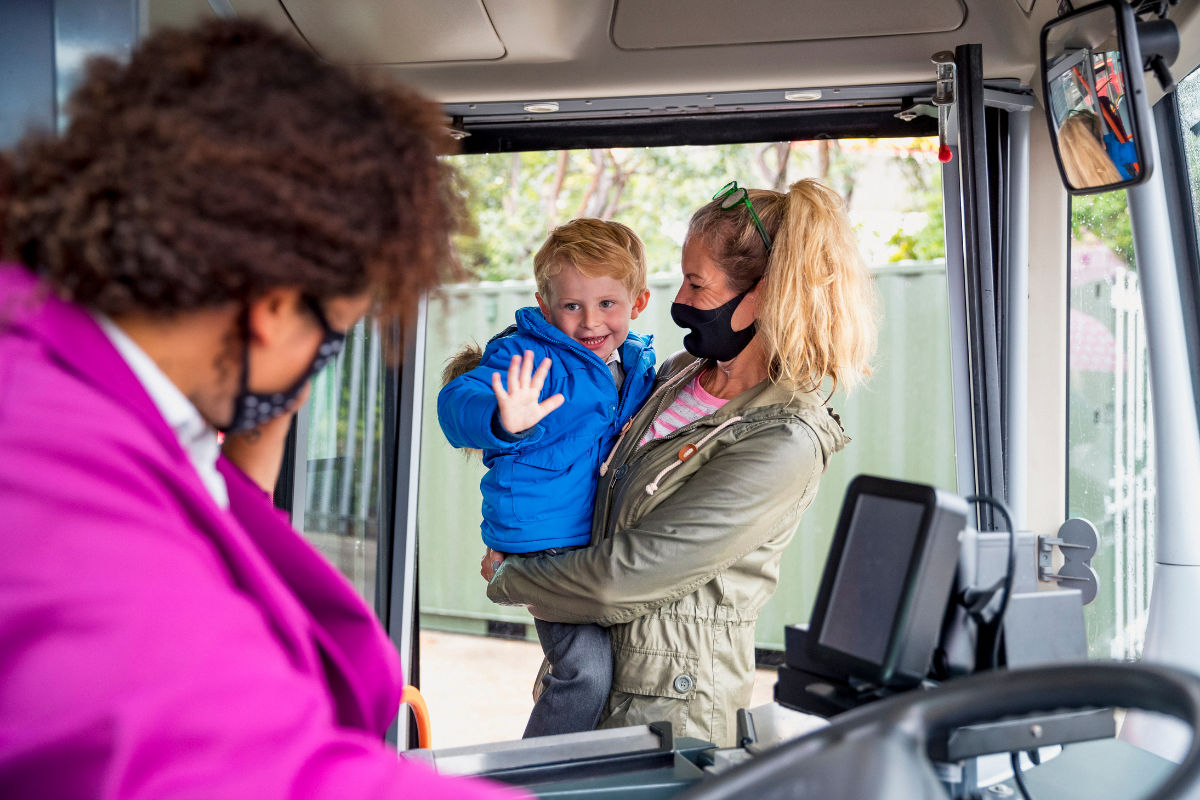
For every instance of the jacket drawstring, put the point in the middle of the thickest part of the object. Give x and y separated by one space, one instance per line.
687 451
613 452
629 424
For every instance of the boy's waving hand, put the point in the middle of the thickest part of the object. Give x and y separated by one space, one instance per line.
519 406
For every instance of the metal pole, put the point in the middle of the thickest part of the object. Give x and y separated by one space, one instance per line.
370 450
301 494
980 270
1171 628
1176 431
408 469
333 406
1017 324
956 288
349 457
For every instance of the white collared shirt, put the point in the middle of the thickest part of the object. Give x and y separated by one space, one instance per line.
196 436
613 362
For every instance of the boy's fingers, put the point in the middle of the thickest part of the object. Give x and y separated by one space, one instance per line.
540 376
550 404
514 373
526 368
498 387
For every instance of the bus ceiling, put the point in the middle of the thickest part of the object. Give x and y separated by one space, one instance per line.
463 51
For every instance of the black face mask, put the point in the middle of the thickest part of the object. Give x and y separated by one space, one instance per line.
252 409
712 334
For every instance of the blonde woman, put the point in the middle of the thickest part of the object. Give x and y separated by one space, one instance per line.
1084 158
705 487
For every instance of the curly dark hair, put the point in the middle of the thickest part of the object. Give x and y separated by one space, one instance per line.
224 161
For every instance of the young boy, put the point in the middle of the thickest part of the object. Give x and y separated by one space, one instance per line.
543 463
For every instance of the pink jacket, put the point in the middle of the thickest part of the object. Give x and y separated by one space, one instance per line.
151 644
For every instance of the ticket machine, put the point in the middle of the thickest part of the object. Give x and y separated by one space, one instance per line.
929 656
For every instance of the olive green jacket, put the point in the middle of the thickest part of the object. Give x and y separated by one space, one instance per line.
686 542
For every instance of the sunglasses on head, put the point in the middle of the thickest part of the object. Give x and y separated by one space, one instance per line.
730 195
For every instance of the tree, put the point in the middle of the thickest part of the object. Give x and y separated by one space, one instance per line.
516 199
924 176
1105 216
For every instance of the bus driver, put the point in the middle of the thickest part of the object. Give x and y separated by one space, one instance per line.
218 214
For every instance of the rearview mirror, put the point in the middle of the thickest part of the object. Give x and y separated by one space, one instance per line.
1096 99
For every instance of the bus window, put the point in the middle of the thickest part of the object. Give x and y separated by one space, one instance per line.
900 422
1111 448
1188 97
337 496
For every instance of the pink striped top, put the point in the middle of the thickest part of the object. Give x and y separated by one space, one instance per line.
691 404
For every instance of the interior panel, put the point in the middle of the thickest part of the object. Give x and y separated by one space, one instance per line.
396 31
509 50
637 24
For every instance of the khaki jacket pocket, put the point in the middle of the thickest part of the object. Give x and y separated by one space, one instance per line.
651 686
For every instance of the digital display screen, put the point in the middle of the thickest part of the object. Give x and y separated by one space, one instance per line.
870 577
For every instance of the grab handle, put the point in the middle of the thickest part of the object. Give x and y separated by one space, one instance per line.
412 696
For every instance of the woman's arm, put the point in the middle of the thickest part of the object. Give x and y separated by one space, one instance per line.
747 494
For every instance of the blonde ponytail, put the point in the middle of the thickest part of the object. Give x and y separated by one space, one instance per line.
817 308
817 311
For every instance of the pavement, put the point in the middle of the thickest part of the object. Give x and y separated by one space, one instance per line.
480 689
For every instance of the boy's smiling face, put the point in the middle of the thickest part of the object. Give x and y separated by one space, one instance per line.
595 312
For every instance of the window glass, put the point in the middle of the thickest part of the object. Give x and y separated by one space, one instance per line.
338 498
1188 97
1111 450
900 422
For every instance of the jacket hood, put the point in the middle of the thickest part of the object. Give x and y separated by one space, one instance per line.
531 322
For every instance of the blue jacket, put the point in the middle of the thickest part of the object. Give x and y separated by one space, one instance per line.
539 489
1122 154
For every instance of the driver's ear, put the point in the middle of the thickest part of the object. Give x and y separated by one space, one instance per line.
271 315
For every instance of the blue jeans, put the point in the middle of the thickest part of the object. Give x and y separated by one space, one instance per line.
576 689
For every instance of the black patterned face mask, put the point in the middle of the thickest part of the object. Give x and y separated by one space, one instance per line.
252 409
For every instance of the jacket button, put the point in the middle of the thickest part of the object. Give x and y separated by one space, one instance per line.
621 470
683 684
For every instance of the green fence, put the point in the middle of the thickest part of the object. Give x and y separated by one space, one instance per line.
900 423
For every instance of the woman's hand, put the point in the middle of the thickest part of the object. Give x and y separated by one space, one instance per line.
490 563
519 406
259 452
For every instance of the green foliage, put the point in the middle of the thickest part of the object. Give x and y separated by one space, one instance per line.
1105 217
515 199
925 180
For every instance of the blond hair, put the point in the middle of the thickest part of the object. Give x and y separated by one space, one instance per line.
817 307
1084 158
597 248
468 357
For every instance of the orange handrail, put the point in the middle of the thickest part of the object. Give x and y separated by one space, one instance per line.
412 696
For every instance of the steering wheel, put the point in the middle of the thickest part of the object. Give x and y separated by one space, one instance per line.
880 750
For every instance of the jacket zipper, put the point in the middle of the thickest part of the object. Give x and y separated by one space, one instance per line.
612 482
691 426
621 395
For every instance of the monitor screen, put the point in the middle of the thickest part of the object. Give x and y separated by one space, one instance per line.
870 579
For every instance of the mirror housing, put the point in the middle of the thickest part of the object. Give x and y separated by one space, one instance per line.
1095 98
